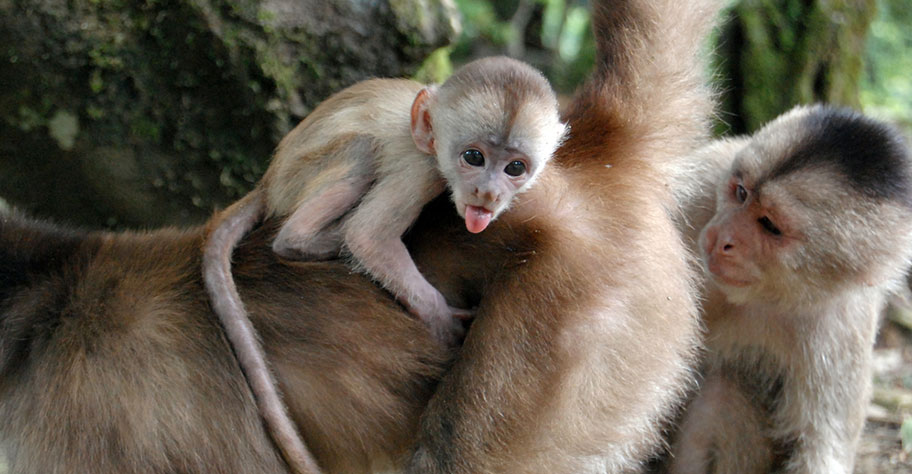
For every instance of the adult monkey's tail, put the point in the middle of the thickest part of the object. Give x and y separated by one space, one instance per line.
649 85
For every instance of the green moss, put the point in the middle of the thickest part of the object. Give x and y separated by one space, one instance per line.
247 10
109 4
107 56
266 19
96 83
145 128
95 112
28 119
63 127
413 18
199 90
273 67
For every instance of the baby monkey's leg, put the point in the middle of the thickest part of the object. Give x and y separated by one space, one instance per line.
309 233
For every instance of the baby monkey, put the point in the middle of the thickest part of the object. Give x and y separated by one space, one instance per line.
355 174
812 230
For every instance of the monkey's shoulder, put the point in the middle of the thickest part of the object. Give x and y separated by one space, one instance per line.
370 98
377 107
380 89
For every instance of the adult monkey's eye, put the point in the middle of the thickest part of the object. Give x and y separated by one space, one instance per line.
740 193
769 226
473 157
515 168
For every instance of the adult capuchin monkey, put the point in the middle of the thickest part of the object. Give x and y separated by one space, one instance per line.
358 170
586 328
812 230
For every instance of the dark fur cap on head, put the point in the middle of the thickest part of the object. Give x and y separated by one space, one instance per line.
872 156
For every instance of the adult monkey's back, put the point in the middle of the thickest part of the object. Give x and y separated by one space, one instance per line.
586 326
112 362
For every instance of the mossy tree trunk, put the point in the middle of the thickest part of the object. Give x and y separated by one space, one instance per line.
149 112
779 53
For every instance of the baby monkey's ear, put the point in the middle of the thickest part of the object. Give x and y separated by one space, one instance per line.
422 132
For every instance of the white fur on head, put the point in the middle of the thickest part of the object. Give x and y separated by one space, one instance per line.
500 101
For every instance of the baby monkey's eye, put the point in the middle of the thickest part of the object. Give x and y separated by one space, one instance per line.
473 157
740 193
515 168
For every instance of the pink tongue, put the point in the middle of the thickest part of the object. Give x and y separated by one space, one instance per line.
477 218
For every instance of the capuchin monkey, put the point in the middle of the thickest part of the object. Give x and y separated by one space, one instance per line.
812 230
584 339
357 172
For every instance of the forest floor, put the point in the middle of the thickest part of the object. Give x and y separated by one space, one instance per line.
881 450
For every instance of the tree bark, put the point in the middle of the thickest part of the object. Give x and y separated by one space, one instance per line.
123 113
778 53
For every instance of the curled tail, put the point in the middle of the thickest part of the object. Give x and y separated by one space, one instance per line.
231 225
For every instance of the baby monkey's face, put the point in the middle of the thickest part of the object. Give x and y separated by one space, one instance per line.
484 180
492 160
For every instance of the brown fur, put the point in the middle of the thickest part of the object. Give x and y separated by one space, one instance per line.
579 349
584 337
112 362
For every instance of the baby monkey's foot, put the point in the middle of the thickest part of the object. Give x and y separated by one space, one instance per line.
448 332
462 314
444 321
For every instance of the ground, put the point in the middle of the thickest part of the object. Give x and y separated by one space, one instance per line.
881 450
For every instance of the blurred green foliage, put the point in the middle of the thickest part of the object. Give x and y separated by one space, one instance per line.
905 433
436 68
886 86
552 35
557 39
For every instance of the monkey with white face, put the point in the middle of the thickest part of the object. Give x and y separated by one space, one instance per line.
355 174
812 229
